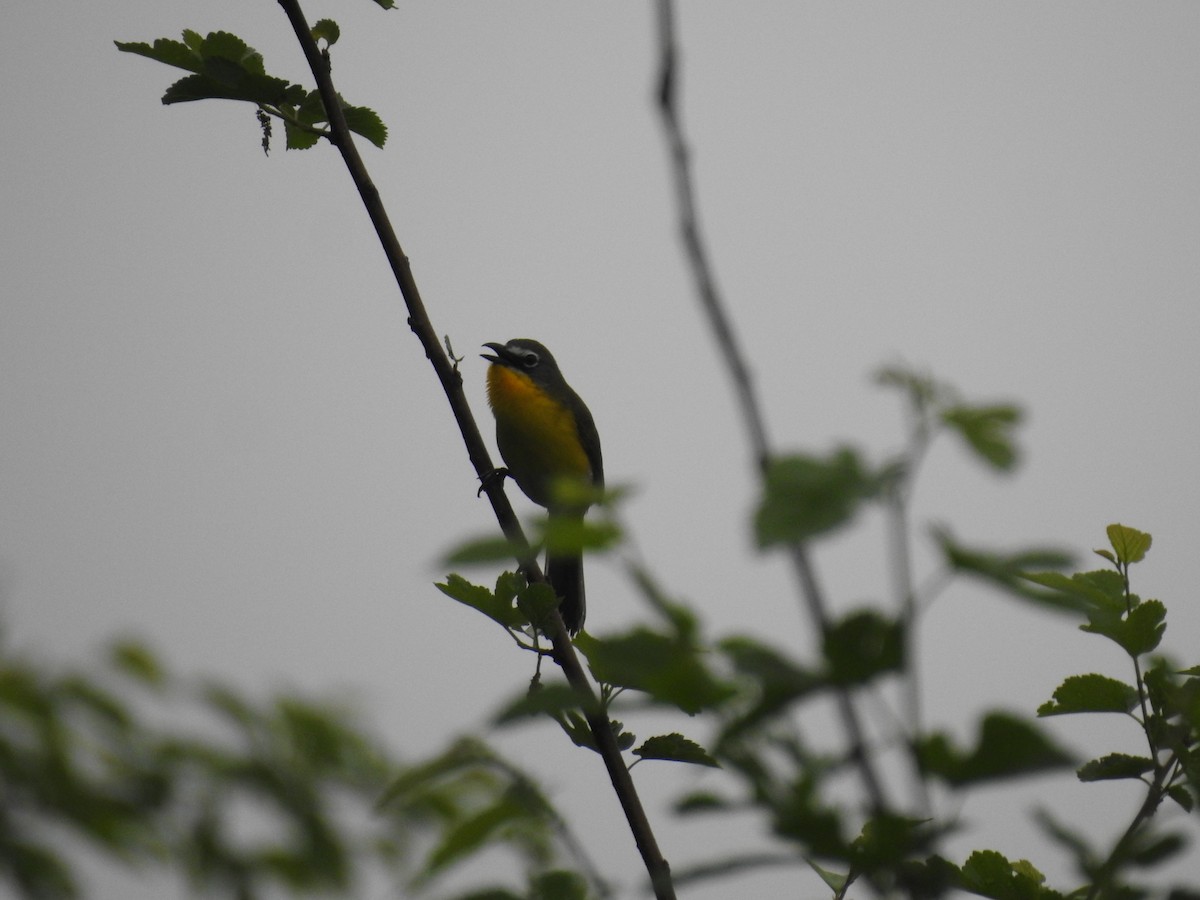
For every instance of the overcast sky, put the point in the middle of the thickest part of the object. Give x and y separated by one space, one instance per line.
218 434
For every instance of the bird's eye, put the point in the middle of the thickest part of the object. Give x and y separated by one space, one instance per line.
529 359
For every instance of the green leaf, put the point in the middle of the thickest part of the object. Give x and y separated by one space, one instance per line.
988 430
677 748
367 123
224 80
416 780
1008 571
835 880
552 700
164 50
801 817
922 390
1139 631
989 874
558 885
1115 766
493 605
1090 694
1129 544
326 30
472 833
1007 747
1101 589
564 534
862 646
776 681
137 661
301 139
805 496
223 66
887 841
669 670
1180 795
578 730
1152 850
386 4
535 602
703 802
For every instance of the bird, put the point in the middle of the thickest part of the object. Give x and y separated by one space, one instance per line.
546 434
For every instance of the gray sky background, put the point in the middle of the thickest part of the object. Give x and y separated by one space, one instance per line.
219 434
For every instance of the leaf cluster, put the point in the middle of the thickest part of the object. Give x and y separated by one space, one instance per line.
154 771
225 67
84 751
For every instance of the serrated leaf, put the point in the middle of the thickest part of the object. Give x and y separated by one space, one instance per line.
1090 694
1129 544
1115 766
576 727
1182 796
988 430
676 748
166 51
535 601
367 123
1138 632
326 30
298 138
989 874
479 597
222 45
804 496
224 81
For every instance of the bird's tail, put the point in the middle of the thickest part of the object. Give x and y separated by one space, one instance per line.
565 574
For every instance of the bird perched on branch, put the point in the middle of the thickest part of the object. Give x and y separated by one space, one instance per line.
546 436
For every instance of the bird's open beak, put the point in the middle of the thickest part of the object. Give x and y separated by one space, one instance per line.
502 357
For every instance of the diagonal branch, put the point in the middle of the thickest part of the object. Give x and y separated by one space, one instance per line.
451 381
735 361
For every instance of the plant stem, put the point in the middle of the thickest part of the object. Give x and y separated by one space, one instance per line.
451 381
722 328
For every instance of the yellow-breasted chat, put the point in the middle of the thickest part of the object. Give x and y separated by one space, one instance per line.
546 435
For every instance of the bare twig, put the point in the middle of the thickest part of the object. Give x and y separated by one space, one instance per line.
451 381
727 345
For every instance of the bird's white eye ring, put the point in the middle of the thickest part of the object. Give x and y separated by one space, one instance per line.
529 359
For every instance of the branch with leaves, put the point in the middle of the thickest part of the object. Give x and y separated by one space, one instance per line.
751 692
225 67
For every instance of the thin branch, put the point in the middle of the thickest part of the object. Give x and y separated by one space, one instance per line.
727 345
451 381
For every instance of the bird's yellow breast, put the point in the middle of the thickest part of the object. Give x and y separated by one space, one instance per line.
536 433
